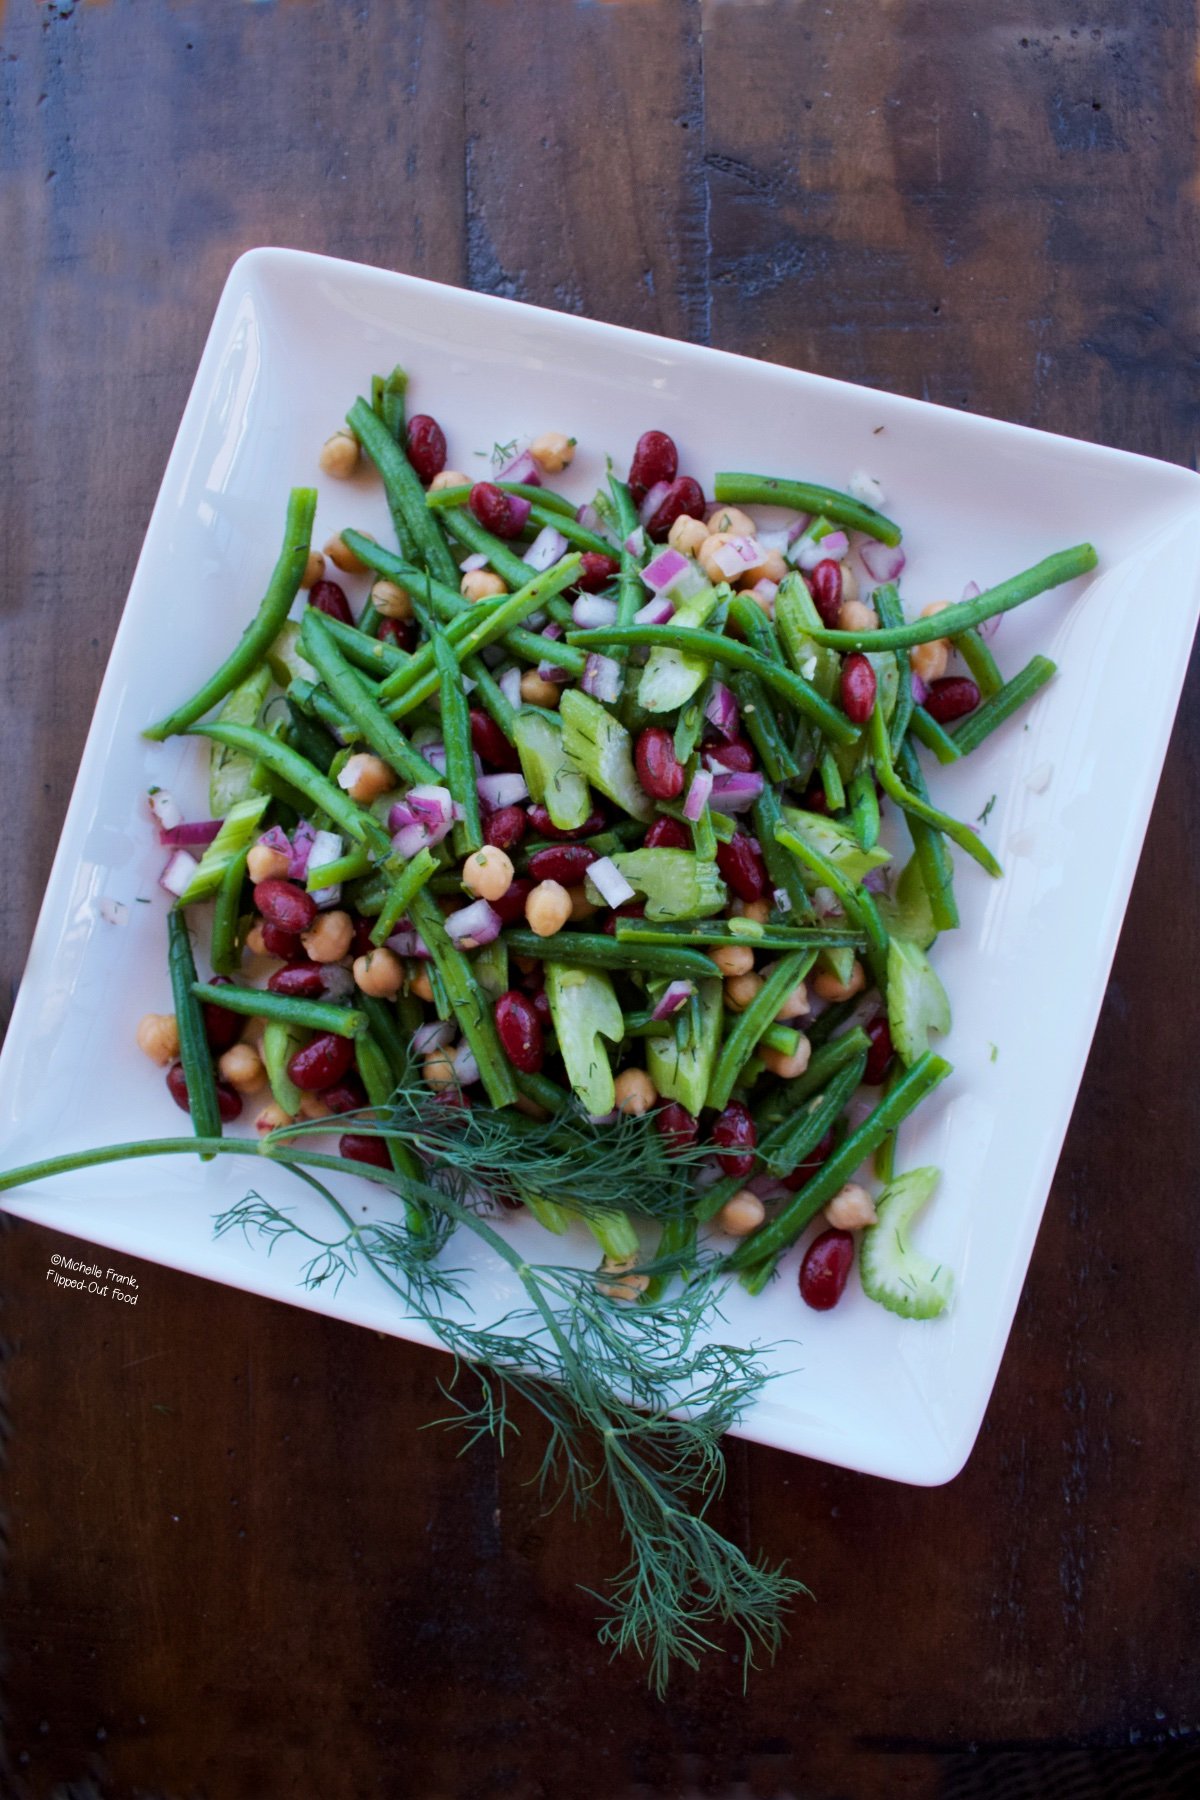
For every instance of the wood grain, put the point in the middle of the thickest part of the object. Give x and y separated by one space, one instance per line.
236 1565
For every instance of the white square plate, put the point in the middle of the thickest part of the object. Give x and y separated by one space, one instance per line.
295 338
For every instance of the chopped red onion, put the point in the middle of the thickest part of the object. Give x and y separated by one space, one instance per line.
518 511
883 562
408 943
835 546
765 591
434 1036
775 540
990 627
972 591
782 900
875 881
476 560
501 790
326 848
166 809
697 795
552 672
721 710
675 997
827 903
277 839
635 543
435 755
178 872
798 527
736 556
806 553
338 981
769 1187
593 610
466 1069
546 549
609 882
864 487
655 612
553 631
653 501
113 912
199 832
421 820
664 569
608 1118
479 922
589 518
920 692
522 468
302 843
601 678
509 684
735 793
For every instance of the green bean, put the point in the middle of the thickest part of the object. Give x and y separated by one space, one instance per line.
388 397
492 697
764 728
362 826
855 902
543 510
806 497
984 668
460 755
864 808
475 538
774 1237
952 621
409 881
885 1154
597 951
630 591
373 657
643 1024
467 1000
350 867
738 931
704 831
405 495
421 667
831 781
404 571
723 826
927 731
261 1003
751 1024
224 949
933 858
385 1030
767 813
797 1136
543 1092
347 688
263 629
911 803
195 1057
324 710
886 601
676 1242
715 648
826 1059
558 504
375 1068
826 1023
309 738
984 720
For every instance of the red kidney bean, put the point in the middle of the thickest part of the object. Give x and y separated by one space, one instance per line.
520 1031
740 862
655 459
330 597
813 798
565 862
303 980
229 1101
544 825
951 698
491 507
511 905
677 1125
284 904
401 632
667 834
539 999
425 442
826 587
452 1097
659 769
361 944
816 1159
505 827
633 909
683 496
738 756
826 1269
280 943
222 1028
858 688
879 1056
735 1131
490 744
346 1095
322 1062
595 571
363 1149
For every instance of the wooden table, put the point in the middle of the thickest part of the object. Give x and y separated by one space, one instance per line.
236 1566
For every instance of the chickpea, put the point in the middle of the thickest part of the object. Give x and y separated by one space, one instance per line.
365 777
769 567
314 570
488 873
581 906
438 1068
271 1118
851 1208
265 864
547 908
241 1066
339 454
313 1107
552 451
380 973
634 1092
732 520
158 1037
827 986
742 1214
757 910
795 1004
338 551
763 595
741 990
481 584
623 1285
785 1066
855 615
928 662
536 692
329 937
686 535
390 600
849 583
254 940
707 553
421 986
733 959
449 478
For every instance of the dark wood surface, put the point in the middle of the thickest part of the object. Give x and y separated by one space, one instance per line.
236 1567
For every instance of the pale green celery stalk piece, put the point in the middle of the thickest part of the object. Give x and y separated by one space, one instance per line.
238 830
916 1000
837 843
907 914
285 661
231 772
614 1233
894 1272
490 968
681 1065
602 750
584 1007
676 884
548 1213
671 676
551 777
